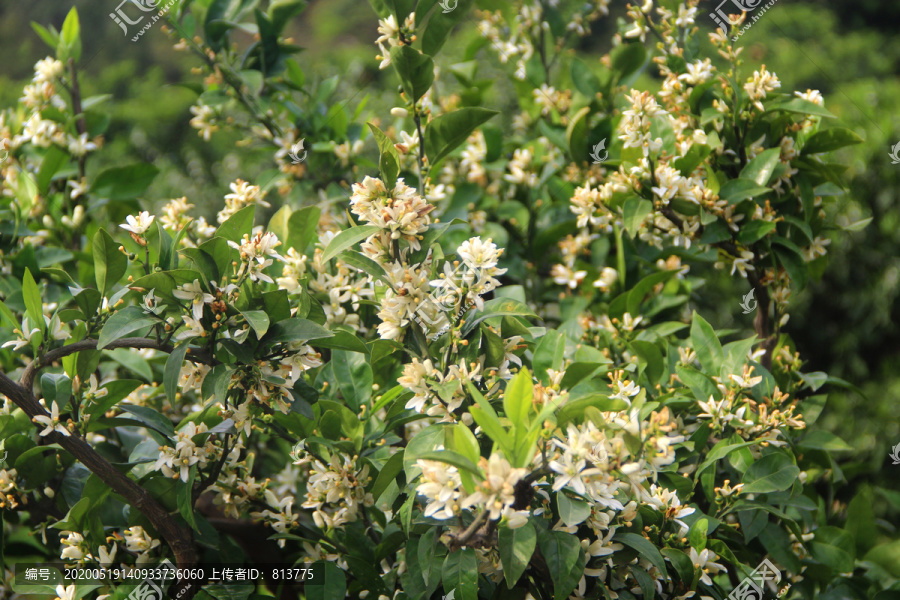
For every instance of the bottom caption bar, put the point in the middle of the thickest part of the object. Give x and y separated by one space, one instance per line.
166 573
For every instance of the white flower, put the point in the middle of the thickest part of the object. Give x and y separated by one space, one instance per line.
625 390
194 293
140 224
65 592
194 329
51 423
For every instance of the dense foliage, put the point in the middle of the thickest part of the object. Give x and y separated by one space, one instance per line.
445 348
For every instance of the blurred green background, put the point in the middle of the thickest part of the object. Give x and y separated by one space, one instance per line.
845 323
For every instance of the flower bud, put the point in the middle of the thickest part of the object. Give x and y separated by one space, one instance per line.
400 112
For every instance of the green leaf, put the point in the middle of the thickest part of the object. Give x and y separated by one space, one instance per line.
561 551
498 307
441 24
575 408
771 473
448 131
332 587
755 231
293 330
516 547
634 211
800 106
302 228
109 263
185 497
643 547
453 458
238 225
549 354
706 344
416 70
460 574
584 79
697 534
53 160
824 440
124 183
151 418
280 224
738 190
258 321
517 401
835 548
123 322
343 340
830 140
34 307
389 161
576 135
682 563
388 474
172 372
627 59
56 387
347 239
70 38
760 169
572 511
858 225
282 11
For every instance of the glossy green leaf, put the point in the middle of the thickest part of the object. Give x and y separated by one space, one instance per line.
124 183
416 70
445 133
109 263
771 473
516 547
122 322
460 574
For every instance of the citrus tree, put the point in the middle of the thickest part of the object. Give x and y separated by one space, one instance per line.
445 349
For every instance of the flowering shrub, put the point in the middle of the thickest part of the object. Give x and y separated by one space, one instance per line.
469 366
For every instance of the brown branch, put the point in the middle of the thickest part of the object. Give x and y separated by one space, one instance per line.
177 536
196 355
80 123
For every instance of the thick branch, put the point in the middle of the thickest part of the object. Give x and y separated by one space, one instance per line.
177 536
194 354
